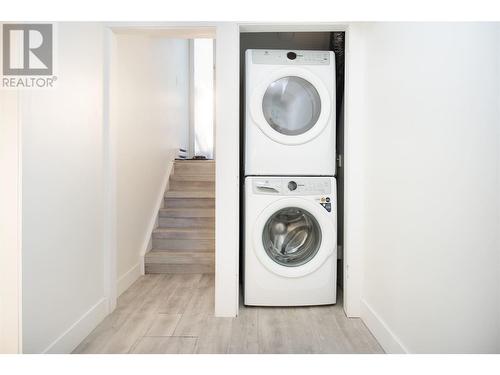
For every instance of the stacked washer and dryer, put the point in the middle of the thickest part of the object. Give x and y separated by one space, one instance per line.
290 249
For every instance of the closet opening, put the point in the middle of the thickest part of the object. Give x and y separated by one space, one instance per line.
295 42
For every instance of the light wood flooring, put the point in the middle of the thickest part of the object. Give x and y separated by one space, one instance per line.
173 313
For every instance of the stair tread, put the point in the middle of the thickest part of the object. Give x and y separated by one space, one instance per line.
184 233
187 161
204 177
180 212
178 256
186 253
175 229
190 194
194 189
180 233
175 250
175 209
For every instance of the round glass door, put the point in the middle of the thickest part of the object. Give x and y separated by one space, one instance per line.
291 105
291 237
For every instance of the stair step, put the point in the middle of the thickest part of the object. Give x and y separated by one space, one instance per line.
187 212
180 257
196 161
182 171
152 268
190 194
193 177
191 238
184 244
186 222
183 185
182 233
179 262
191 167
189 202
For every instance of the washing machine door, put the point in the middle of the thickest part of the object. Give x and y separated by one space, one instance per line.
293 237
291 106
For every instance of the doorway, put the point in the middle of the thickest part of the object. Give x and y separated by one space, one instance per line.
202 109
150 102
326 40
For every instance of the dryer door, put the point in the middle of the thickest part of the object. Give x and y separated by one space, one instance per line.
291 106
293 237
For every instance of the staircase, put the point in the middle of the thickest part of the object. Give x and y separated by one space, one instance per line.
184 241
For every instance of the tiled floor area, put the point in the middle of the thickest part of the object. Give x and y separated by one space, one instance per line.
174 314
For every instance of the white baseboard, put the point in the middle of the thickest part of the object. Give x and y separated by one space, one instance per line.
128 278
386 338
75 334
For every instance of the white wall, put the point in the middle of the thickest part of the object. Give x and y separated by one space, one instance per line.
354 151
431 271
431 213
150 116
63 286
10 224
227 169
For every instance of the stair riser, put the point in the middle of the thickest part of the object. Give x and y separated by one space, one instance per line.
179 268
188 212
183 244
180 258
190 194
178 233
191 169
189 203
192 185
186 222
194 177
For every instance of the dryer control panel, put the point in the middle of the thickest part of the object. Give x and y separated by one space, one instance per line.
292 186
290 57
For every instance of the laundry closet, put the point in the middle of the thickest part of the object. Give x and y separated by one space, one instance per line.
291 167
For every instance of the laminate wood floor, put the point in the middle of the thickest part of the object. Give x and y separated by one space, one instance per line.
173 313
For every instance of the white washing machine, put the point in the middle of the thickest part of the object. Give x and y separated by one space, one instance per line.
290 113
290 241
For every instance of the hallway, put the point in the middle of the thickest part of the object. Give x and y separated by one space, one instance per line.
173 313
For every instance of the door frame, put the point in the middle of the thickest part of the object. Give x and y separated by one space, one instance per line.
180 30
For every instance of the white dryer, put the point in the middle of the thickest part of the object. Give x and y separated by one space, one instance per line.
290 113
290 241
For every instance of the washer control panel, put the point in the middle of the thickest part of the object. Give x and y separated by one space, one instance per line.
292 186
290 57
